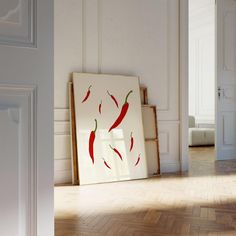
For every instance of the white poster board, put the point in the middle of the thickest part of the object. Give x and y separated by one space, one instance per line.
109 128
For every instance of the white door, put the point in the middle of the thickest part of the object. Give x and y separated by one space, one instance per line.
226 80
26 117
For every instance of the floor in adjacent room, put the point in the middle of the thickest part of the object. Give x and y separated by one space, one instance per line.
200 203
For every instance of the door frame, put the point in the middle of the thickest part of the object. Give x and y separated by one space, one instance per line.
184 77
184 82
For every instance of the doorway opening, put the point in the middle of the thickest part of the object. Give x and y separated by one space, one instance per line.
201 88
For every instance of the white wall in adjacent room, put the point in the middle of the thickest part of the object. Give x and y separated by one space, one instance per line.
127 37
202 60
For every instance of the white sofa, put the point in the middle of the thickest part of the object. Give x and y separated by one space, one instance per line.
200 136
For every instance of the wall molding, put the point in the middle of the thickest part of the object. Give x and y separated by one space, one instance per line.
84 58
165 134
167 15
61 114
100 32
167 108
61 127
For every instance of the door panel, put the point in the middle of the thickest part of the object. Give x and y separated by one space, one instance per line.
18 161
26 117
18 22
10 194
229 37
226 79
229 134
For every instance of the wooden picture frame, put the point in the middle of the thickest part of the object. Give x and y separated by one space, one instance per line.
153 158
144 95
149 113
74 153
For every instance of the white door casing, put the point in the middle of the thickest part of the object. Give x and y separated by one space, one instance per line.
226 79
183 75
26 117
225 76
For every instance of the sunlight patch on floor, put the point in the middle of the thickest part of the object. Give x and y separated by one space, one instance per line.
164 193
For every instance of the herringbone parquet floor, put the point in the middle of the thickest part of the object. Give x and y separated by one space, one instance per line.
200 203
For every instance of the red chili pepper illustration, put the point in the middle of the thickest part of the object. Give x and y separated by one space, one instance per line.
117 152
91 142
113 98
123 112
131 142
138 160
87 94
100 108
105 163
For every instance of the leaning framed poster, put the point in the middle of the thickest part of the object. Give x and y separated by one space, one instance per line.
109 128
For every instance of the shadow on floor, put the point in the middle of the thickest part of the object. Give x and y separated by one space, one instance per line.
206 219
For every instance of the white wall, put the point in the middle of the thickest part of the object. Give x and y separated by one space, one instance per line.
202 60
128 37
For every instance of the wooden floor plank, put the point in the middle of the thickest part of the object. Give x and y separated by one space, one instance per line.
202 202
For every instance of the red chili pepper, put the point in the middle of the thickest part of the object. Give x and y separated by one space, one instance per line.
131 142
138 160
117 152
100 108
113 98
123 112
87 94
105 163
91 142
